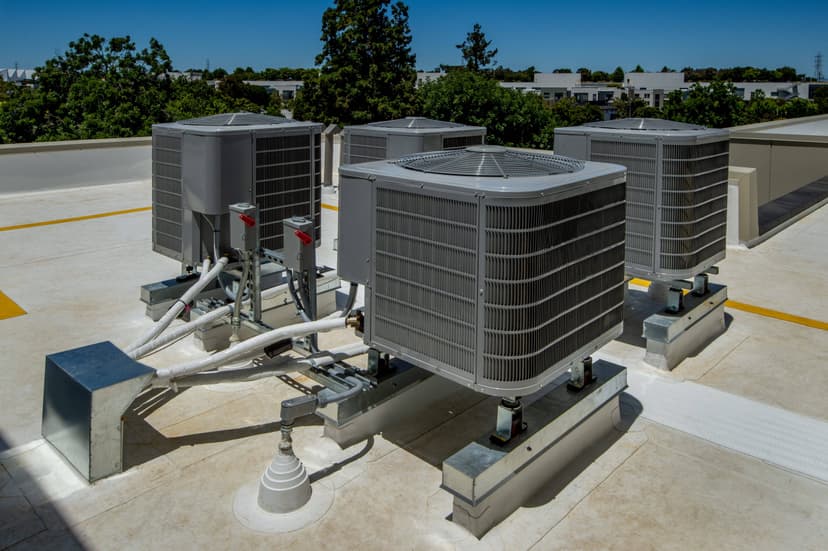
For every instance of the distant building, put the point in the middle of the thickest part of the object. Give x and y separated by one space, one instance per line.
188 75
285 88
652 88
427 76
17 76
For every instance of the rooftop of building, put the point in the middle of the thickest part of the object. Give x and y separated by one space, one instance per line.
727 451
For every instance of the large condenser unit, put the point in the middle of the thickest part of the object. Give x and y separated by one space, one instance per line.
495 268
676 190
393 139
200 166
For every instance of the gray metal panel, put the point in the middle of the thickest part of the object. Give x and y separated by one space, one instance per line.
575 146
354 245
399 146
216 171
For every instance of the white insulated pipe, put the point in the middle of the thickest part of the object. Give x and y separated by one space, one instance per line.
251 345
270 368
186 298
183 330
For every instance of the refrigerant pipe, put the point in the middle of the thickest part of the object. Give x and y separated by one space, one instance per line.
175 309
182 331
251 345
280 365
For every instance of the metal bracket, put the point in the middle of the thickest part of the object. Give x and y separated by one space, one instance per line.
675 300
509 421
581 375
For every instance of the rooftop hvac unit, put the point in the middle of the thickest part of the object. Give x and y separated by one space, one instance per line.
495 268
676 190
393 139
200 166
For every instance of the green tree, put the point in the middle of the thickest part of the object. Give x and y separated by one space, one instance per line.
617 75
97 89
601 76
821 99
563 70
366 65
510 116
475 49
626 106
798 107
761 108
715 105
639 69
568 112
586 74
666 69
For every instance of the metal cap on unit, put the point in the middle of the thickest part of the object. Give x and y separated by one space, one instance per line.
416 122
235 119
645 124
490 161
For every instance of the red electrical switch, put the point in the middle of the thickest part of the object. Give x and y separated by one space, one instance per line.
303 237
249 221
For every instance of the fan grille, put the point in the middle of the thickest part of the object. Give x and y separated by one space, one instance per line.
490 161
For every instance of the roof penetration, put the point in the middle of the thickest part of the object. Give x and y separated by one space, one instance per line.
235 119
653 125
415 122
490 161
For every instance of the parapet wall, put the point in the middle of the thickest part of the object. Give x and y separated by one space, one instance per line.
70 164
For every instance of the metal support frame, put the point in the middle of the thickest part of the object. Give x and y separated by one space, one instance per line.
673 336
490 481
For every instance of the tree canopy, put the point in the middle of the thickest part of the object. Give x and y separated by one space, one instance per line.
103 88
475 49
366 65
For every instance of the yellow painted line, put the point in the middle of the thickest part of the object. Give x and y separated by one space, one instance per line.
776 314
9 308
330 207
73 219
759 311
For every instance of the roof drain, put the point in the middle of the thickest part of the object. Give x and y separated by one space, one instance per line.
282 500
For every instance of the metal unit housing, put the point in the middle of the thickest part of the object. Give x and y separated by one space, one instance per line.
201 166
396 138
676 190
495 268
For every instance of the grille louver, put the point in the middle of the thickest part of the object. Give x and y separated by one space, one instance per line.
167 218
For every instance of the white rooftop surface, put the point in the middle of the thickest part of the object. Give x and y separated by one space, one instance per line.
811 128
728 451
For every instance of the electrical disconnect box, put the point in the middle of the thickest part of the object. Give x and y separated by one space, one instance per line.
244 226
299 243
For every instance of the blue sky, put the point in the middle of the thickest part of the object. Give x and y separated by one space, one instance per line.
547 34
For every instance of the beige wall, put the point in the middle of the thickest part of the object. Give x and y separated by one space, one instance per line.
782 166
